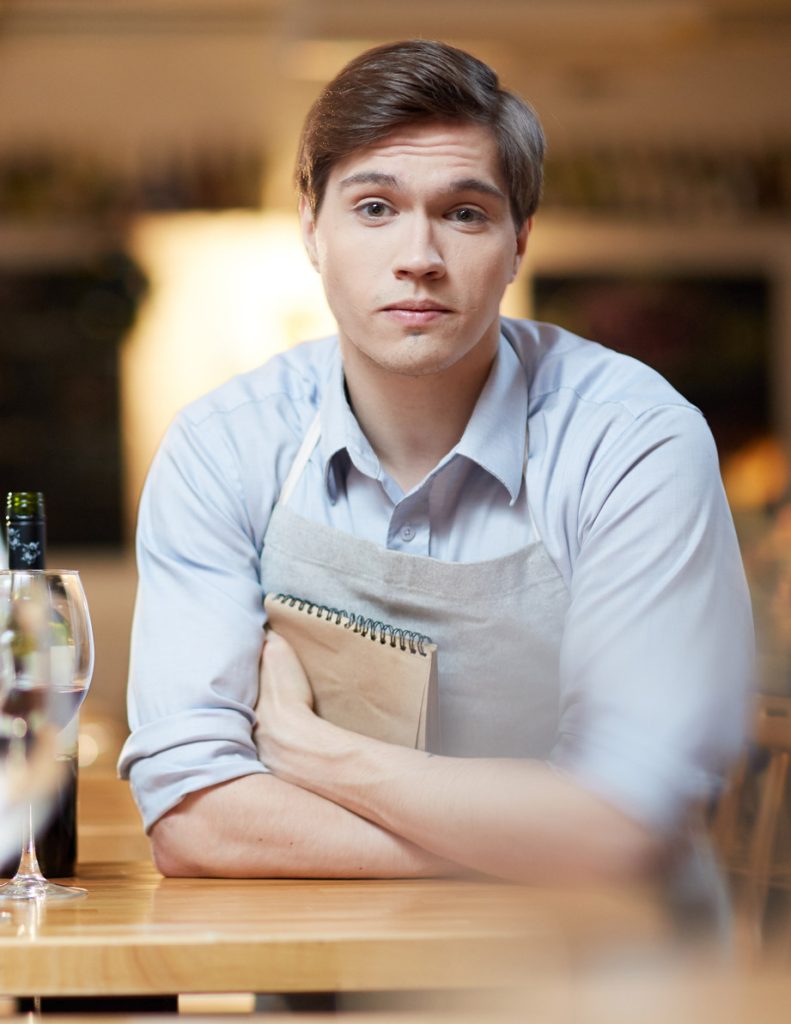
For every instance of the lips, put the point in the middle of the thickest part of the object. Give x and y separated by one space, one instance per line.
415 312
416 306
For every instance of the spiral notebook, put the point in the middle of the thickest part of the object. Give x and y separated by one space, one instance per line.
367 676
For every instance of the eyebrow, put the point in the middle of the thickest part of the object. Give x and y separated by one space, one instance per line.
477 185
369 178
390 181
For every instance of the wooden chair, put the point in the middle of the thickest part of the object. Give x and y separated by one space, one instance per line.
756 855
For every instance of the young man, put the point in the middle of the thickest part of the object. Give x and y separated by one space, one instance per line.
548 511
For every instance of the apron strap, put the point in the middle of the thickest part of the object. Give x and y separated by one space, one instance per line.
533 525
301 460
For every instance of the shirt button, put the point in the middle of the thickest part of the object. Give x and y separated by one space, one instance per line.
407 532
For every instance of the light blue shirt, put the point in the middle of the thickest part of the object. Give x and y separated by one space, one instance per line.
623 487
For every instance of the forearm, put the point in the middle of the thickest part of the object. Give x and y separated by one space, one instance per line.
259 826
520 820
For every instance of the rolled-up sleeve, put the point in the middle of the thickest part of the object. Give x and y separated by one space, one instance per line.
197 630
657 657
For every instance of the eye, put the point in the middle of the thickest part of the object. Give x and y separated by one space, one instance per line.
468 215
374 209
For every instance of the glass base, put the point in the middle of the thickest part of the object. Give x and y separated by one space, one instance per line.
27 888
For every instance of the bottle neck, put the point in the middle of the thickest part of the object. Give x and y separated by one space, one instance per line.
24 505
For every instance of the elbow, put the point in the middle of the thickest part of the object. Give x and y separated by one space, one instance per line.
626 851
175 846
612 849
635 855
168 854
617 856
613 846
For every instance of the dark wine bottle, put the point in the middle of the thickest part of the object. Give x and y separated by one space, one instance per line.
56 841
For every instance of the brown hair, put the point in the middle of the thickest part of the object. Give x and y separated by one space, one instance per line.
419 80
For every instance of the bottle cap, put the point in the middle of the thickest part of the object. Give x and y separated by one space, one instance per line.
24 505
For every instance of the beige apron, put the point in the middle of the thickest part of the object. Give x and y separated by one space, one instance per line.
497 624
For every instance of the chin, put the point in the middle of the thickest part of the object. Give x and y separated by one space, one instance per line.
415 354
416 363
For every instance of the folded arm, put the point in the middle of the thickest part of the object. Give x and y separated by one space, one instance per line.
340 805
259 826
520 820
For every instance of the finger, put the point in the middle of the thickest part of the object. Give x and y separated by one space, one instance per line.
281 656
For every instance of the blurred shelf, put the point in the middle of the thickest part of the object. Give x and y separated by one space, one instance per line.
31 245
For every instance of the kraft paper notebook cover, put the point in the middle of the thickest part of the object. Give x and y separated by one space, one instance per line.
367 676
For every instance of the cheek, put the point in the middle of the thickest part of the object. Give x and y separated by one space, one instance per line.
488 277
340 259
351 270
344 287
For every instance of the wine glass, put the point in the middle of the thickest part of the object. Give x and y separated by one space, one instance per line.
46 664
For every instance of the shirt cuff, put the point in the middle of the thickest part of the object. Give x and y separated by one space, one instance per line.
162 770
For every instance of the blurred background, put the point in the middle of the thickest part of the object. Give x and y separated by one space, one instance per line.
149 245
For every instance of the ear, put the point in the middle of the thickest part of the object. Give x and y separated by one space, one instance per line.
308 226
521 244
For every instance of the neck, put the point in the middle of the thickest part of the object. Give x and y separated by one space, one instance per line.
412 422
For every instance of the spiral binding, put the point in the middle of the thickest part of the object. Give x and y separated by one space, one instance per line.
406 639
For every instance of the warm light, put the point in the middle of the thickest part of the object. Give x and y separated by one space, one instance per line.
87 750
227 291
757 475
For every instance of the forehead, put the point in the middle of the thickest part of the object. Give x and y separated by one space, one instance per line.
434 149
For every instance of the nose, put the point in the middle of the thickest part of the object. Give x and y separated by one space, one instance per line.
418 253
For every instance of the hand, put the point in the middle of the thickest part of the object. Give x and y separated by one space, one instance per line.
285 704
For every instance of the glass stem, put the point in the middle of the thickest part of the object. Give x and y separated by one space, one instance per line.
28 864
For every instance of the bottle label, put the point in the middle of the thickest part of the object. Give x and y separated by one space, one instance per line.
25 546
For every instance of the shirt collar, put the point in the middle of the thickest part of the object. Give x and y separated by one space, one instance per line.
340 431
495 437
496 434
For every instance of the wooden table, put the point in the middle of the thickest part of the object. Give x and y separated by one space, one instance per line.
139 933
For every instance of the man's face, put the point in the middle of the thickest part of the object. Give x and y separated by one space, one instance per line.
415 245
